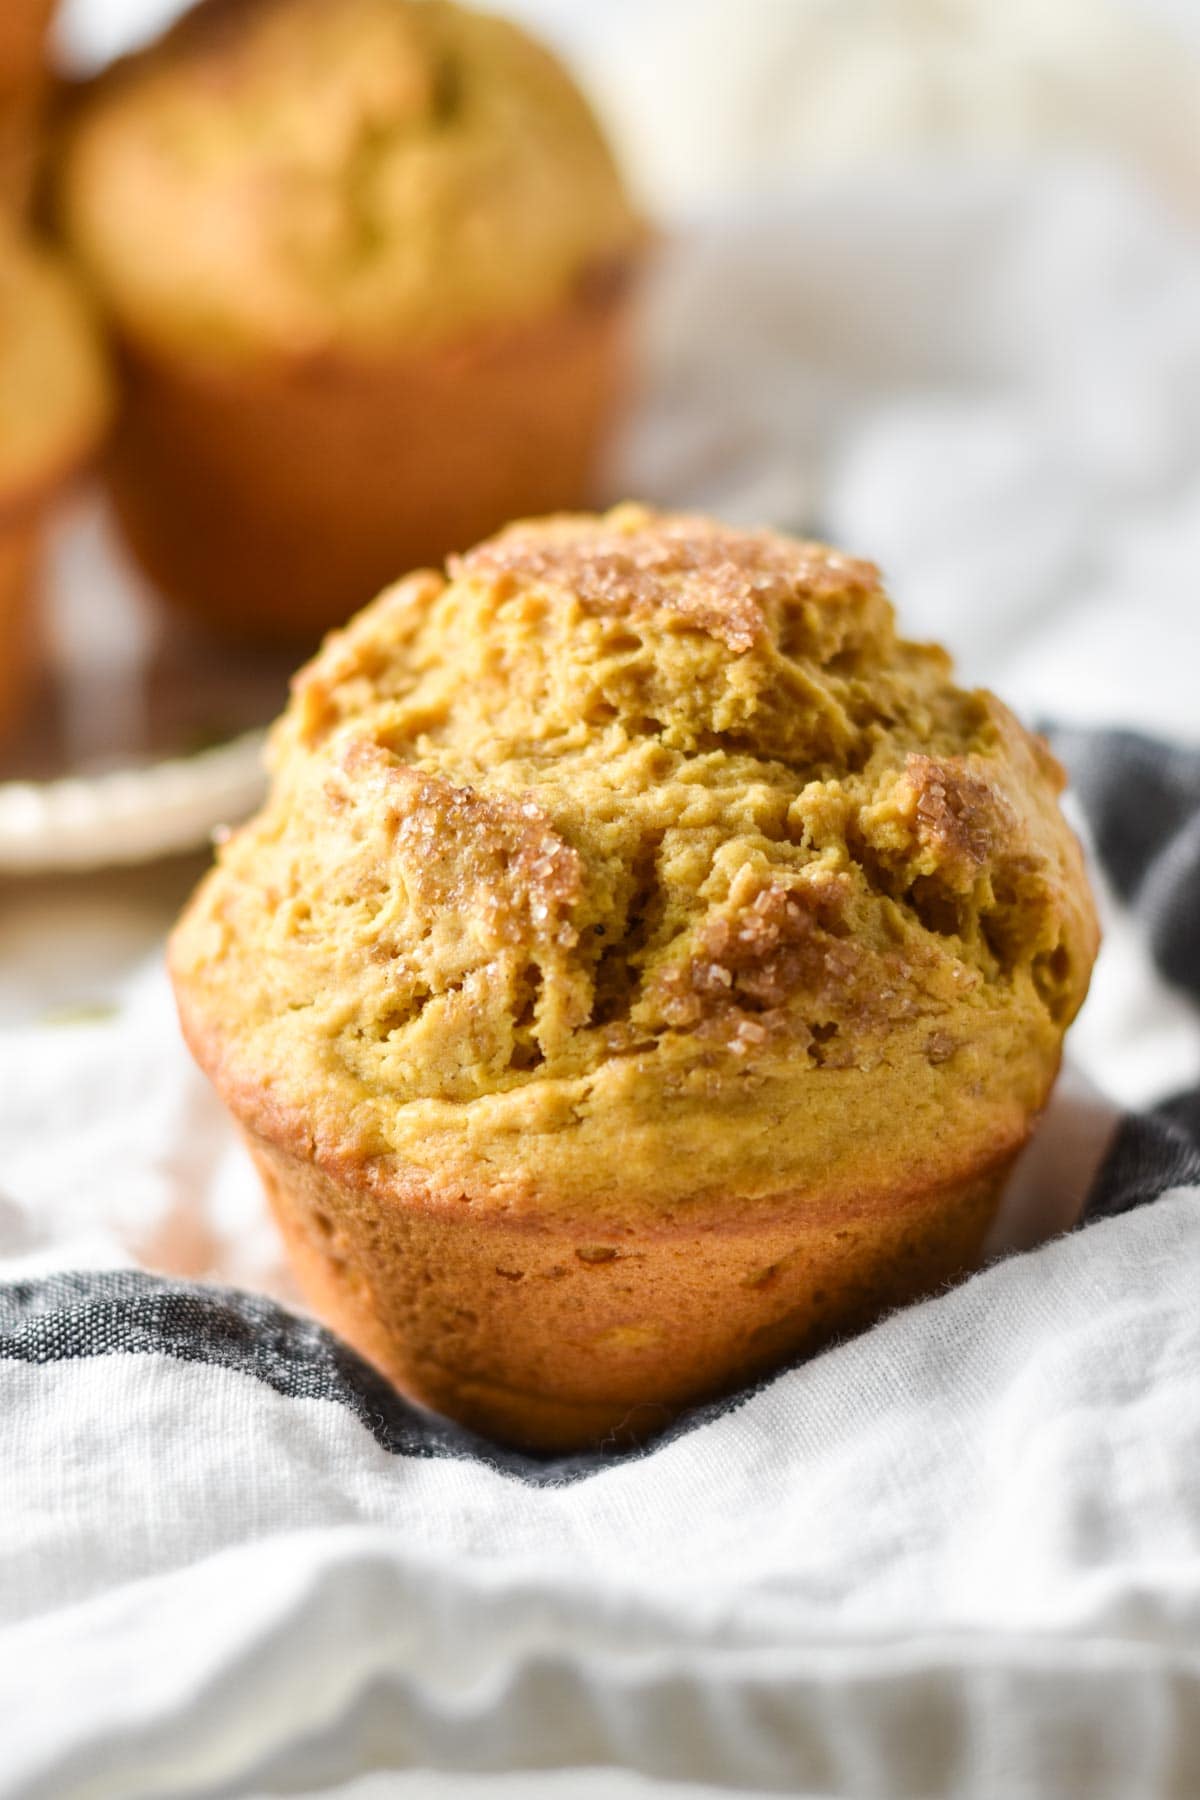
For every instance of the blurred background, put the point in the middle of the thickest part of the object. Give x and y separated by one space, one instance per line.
926 282
709 101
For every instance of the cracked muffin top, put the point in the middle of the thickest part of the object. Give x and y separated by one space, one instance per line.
349 174
55 395
634 858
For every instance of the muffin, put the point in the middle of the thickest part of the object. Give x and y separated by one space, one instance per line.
23 83
54 405
368 262
646 967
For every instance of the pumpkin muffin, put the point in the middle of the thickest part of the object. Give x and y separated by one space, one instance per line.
24 78
368 262
646 967
54 405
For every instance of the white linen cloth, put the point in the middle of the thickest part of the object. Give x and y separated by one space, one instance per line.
958 1556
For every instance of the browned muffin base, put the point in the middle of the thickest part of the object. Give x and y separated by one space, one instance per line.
20 149
272 502
24 81
539 1337
18 551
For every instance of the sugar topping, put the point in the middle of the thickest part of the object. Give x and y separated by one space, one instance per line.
717 579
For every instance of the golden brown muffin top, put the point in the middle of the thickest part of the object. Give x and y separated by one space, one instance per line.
55 396
298 175
643 838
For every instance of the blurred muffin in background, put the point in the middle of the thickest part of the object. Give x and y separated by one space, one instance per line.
368 265
23 84
54 406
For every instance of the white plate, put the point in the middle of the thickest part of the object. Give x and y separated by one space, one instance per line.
144 737
128 815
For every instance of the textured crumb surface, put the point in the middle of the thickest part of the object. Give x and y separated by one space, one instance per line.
634 860
54 387
352 174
